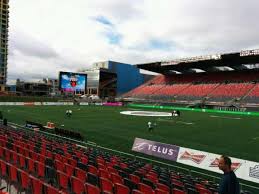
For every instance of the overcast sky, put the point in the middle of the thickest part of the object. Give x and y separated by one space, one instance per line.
48 36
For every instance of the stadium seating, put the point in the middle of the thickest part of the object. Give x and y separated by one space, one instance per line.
232 90
253 96
196 91
145 90
172 90
215 87
64 171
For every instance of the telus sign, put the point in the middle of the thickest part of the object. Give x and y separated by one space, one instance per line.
152 148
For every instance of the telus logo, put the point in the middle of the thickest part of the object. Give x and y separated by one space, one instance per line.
160 149
154 148
140 146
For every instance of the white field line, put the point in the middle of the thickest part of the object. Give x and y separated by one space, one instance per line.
173 121
234 118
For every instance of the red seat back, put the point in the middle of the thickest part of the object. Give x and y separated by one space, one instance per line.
106 185
37 186
177 191
77 185
13 173
51 190
145 188
121 189
25 179
91 189
63 179
81 174
116 179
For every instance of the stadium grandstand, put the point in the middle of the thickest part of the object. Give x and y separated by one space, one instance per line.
230 79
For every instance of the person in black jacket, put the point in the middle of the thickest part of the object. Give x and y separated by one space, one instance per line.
229 183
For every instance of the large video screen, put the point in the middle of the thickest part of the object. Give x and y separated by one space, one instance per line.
72 82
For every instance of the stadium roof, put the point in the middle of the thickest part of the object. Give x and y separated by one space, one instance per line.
243 60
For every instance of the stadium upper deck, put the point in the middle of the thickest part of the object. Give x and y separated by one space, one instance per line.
243 60
224 79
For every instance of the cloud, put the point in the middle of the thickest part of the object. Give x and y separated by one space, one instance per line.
113 37
65 77
103 20
158 44
28 45
117 11
47 36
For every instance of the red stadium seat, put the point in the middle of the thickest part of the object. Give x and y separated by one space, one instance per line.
37 185
51 190
177 191
7 155
22 162
145 189
116 178
204 191
69 169
1 152
121 189
3 172
163 187
159 191
24 181
31 166
13 176
92 169
112 170
81 174
77 185
106 185
91 189
84 160
104 174
40 169
137 192
14 156
63 180
60 166
134 178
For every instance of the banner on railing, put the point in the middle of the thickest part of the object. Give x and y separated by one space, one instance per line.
28 104
84 103
112 104
11 103
152 148
57 103
34 103
244 169
37 103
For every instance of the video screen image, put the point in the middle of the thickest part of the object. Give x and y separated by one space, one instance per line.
72 82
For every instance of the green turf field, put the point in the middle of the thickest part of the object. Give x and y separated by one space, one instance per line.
234 135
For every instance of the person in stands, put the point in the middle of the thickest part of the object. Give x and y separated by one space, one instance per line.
229 183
